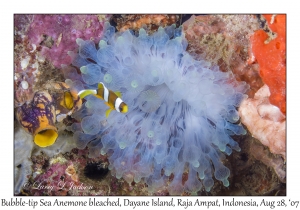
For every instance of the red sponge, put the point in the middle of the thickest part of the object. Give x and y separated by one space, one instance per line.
271 57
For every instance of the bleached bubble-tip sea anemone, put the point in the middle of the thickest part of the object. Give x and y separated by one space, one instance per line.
181 112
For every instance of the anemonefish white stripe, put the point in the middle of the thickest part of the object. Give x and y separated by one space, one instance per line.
117 104
106 93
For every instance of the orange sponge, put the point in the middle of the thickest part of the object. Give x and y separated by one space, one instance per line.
271 57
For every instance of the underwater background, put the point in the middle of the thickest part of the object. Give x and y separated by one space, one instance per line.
205 94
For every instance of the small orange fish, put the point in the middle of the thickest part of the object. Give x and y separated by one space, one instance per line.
112 99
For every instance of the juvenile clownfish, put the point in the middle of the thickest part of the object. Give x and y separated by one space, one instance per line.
112 99
68 101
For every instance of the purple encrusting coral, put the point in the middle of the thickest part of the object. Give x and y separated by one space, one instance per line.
41 42
56 34
53 181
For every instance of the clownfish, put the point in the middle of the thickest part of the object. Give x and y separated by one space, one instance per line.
68 101
112 99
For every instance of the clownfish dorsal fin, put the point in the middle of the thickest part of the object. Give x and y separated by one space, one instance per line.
100 85
119 94
107 112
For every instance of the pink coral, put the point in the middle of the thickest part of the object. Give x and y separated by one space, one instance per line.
56 34
264 121
47 36
53 182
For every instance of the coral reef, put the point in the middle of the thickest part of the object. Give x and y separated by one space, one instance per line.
150 22
66 175
246 170
261 154
269 127
41 46
31 160
26 62
181 114
223 40
96 170
253 171
39 116
270 54
55 181
56 34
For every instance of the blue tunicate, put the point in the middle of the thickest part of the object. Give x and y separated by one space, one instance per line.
176 187
82 139
178 32
90 125
77 60
112 80
107 78
70 72
108 32
87 49
149 101
128 61
232 116
108 143
237 99
192 184
181 112
91 74
94 148
170 30
134 84
105 56
237 129
208 183
160 38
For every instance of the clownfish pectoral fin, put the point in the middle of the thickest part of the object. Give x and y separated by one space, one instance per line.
107 112
85 93
97 96
107 104
119 94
